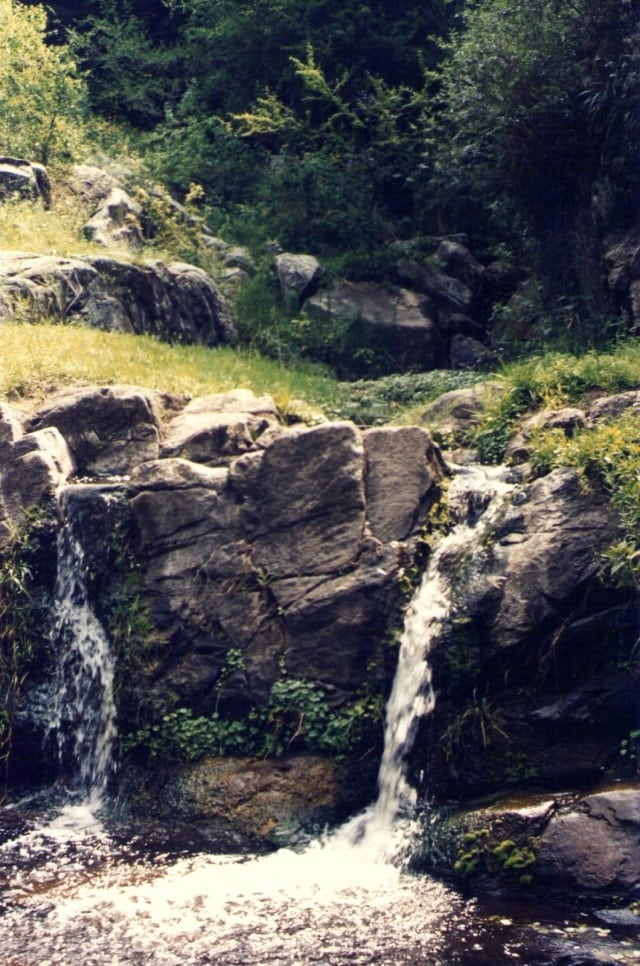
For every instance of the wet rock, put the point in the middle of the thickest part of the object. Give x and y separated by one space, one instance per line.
595 844
266 801
402 470
560 531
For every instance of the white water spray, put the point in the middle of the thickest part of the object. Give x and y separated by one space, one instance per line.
83 716
477 497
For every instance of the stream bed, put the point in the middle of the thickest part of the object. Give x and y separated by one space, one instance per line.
78 887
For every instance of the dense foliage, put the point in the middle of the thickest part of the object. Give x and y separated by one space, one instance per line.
335 127
41 94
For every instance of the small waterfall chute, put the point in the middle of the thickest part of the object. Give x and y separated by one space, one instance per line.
82 720
477 498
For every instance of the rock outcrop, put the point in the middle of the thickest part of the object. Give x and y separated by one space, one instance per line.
395 326
24 179
176 302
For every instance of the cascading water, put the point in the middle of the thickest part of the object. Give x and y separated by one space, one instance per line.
476 498
73 892
82 723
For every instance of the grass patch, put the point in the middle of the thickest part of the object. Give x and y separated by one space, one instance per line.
551 381
37 359
25 226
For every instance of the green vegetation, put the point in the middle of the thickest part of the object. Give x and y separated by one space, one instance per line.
42 96
24 622
481 853
296 717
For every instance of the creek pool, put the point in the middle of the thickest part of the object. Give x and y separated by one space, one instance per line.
78 887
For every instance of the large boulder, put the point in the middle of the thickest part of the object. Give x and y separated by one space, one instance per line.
247 803
109 430
622 267
562 843
216 429
403 468
595 843
32 467
298 275
533 668
176 302
395 326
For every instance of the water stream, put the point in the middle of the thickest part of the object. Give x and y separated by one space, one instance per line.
82 720
77 887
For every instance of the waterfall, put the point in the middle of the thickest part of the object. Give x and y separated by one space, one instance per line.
82 719
477 497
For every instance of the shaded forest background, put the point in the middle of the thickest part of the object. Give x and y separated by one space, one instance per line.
339 128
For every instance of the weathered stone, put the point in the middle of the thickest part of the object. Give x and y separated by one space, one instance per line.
449 294
24 179
548 546
175 302
216 429
93 184
595 844
458 262
460 410
393 325
117 222
331 621
402 470
304 509
109 430
466 352
568 419
609 407
298 275
240 258
32 467
265 801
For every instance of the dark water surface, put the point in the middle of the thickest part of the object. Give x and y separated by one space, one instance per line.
79 889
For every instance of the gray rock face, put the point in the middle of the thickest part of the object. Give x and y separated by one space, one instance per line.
24 179
460 410
548 548
109 430
402 469
622 265
595 844
298 275
216 429
32 466
117 222
285 553
588 843
394 325
175 302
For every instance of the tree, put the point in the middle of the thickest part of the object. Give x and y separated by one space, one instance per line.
42 98
537 113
